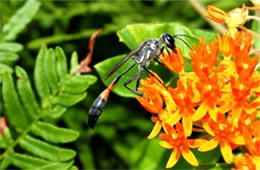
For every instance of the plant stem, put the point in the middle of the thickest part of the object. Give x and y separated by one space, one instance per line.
21 136
201 9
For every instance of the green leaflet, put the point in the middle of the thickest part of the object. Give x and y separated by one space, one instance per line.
53 133
11 46
14 110
46 150
74 63
19 21
4 68
8 57
26 93
5 138
56 165
25 161
55 112
40 81
62 69
50 70
78 83
67 99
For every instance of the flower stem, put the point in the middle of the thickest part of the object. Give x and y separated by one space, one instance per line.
201 9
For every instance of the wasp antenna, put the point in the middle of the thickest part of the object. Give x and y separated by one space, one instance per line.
184 35
184 42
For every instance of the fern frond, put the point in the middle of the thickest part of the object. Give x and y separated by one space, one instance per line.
19 21
56 89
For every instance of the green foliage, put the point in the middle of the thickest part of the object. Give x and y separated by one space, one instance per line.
26 114
15 25
19 21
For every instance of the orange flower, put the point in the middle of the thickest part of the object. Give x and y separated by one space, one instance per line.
204 58
210 95
176 140
248 124
216 14
224 135
185 106
155 94
174 61
152 102
250 160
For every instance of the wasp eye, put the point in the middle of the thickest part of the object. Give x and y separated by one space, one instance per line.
168 40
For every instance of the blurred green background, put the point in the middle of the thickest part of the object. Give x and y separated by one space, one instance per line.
119 139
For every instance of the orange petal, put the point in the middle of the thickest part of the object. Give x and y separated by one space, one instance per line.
190 157
226 152
187 125
200 112
208 129
213 113
175 155
213 143
165 144
156 129
194 143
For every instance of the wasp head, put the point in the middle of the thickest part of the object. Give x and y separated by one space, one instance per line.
168 40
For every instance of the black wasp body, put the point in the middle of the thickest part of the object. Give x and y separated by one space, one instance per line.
143 54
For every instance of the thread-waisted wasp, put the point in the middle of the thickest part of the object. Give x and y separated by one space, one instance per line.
148 50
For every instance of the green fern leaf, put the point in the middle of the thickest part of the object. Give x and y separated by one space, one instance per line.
78 83
14 109
19 21
56 165
26 93
68 99
56 111
8 57
62 68
25 161
53 84
39 75
4 69
53 133
50 70
74 63
11 46
46 150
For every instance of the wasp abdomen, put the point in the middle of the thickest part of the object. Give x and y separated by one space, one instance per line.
97 107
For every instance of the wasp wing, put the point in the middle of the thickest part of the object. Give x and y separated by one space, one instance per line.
120 63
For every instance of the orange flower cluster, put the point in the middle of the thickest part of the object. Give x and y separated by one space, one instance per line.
219 98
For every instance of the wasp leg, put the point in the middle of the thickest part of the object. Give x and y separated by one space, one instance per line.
158 61
151 73
136 77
